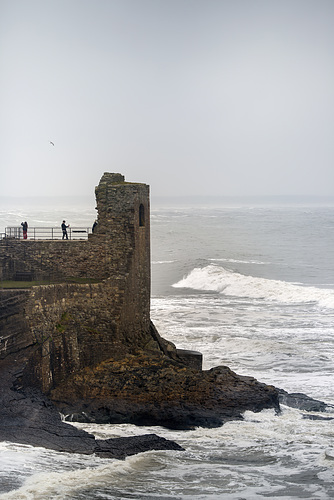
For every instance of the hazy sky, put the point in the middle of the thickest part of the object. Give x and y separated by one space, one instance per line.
221 97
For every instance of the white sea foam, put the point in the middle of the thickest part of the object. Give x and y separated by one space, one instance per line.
218 279
217 463
238 261
163 262
60 484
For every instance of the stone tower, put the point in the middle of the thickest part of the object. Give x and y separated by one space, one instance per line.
124 225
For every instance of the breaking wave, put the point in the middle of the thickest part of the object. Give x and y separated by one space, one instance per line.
163 261
218 279
236 261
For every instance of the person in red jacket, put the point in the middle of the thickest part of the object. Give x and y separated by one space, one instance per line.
25 229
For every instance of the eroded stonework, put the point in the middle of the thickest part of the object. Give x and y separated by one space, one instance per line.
91 346
77 325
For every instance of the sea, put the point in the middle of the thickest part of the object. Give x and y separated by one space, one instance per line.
249 282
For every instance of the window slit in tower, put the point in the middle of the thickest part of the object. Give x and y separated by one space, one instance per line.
141 215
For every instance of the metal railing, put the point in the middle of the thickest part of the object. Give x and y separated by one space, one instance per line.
46 233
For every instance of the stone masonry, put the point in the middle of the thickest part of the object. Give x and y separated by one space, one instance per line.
85 339
73 325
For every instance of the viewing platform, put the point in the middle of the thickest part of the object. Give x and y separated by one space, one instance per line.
46 233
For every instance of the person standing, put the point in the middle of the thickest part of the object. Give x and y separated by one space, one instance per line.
25 229
64 229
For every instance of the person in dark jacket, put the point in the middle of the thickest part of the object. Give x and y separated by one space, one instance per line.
64 229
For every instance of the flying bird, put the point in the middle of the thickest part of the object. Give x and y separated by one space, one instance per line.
51 143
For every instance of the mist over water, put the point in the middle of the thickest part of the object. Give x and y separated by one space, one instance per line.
250 286
47 211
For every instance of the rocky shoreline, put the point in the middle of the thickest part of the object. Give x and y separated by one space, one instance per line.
29 417
153 389
82 370
84 345
202 398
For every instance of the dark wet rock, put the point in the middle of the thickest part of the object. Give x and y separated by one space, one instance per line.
153 389
146 388
143 387
301 401
125 446
27 416
317 417
90 346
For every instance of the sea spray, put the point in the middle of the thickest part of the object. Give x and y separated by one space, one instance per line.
218 279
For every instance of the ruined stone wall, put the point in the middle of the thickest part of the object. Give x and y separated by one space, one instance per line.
63 328
124 220
118 249
71 326
52 260
13 323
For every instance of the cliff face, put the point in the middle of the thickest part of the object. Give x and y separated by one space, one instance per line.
27 416
91 348
64 328
72 350
152 389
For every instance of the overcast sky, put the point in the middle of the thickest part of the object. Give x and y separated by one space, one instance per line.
194 97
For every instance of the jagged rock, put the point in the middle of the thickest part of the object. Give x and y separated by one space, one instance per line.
125 446
90 345
301 401
317 417
152 389
29 417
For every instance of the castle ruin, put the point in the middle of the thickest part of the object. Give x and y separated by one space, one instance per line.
108 309
85 340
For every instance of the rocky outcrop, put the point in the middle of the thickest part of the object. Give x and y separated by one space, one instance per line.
60 353
150 386
152 389
90 347
27 416
302 401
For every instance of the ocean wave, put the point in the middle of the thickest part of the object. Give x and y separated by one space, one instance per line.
236 261
218 279
163 261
